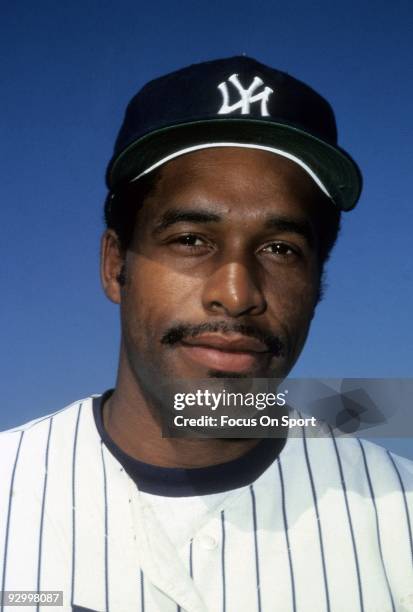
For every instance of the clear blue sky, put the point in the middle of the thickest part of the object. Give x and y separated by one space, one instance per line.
68 70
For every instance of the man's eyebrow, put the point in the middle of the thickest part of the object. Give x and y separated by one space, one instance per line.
279 223
284 224
176 215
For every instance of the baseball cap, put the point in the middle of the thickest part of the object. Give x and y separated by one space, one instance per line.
239 102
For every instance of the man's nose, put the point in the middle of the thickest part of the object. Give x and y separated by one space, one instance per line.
232 291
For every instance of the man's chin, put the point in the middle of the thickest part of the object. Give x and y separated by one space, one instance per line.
201 373
223 374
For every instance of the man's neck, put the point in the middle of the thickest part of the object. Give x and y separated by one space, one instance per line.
131 424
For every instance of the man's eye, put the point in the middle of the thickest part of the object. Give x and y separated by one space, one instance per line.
190 240
281 249
190 244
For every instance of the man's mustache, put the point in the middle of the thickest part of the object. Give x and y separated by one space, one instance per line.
178 333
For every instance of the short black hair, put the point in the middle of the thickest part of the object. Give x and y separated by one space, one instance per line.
122 206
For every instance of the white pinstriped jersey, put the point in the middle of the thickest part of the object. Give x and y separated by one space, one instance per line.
326 528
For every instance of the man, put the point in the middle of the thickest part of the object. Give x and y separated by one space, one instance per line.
225 192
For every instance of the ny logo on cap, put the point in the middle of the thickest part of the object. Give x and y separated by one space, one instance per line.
246 96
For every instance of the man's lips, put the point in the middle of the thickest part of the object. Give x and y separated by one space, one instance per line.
228 343
234 353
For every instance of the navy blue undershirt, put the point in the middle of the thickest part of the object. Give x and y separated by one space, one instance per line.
186 482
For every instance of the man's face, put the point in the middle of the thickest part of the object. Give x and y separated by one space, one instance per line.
222 275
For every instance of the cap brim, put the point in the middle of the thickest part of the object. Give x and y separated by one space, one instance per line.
335 169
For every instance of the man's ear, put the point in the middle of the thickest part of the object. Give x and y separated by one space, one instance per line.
112 266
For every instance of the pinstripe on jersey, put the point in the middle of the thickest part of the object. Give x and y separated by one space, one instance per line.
327 527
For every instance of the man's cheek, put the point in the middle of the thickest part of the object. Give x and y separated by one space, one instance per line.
294 304
291 314
152 301
160 283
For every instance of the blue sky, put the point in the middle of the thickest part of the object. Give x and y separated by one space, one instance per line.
68 71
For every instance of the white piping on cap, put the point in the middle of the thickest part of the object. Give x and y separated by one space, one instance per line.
210 145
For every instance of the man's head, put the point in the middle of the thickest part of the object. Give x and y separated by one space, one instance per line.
216 253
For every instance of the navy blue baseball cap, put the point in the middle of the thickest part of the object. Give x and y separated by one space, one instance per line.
235 102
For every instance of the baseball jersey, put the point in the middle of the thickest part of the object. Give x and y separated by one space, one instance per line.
324 525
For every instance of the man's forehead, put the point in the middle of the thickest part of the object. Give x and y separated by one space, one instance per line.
231 180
